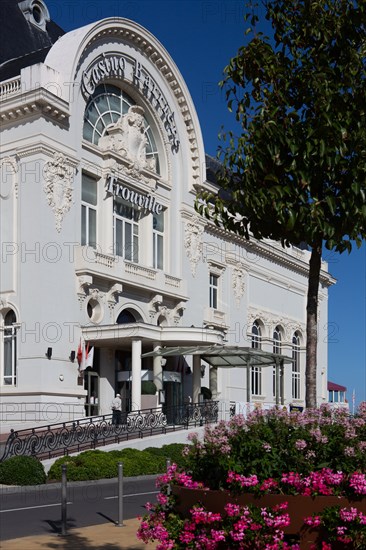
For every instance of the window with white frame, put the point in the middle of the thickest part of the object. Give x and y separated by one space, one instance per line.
296 366
276 349
126 230
10 349
213 290
105 107
256 372
88 211
158 240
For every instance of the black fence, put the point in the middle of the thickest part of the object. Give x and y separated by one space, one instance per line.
88 433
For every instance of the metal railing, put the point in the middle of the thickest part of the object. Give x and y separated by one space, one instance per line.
88 433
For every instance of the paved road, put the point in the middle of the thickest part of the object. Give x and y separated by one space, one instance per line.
37 510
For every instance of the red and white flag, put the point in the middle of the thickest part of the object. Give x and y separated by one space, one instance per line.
85 356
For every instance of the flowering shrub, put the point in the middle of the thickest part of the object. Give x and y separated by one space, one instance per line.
244 527
325 482
268 452
342 525
270 442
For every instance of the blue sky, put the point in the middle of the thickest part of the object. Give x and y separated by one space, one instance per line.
201 36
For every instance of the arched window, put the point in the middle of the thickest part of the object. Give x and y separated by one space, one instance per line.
10 349
256 372
126 317
256 335
105 107
276 349
296 366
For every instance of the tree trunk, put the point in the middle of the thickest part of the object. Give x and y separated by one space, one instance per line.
312 325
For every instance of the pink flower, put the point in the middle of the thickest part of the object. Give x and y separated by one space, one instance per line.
348 515
313 521
349 451
358 483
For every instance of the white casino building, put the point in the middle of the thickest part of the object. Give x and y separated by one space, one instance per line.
101 157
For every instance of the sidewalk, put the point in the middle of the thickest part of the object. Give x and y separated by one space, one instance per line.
103 537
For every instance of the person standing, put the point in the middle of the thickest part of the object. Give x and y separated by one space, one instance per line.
116 409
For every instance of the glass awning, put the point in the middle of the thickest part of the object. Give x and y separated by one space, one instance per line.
225 356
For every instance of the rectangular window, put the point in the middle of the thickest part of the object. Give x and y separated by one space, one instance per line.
10 356
89 211
256 373
126 230
213 290
275 389
295 372
158 240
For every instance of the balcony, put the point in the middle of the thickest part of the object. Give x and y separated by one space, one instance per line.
91 262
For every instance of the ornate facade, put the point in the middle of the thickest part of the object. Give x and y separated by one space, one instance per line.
101 155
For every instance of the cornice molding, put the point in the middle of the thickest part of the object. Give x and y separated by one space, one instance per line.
47 150
268 251
35 103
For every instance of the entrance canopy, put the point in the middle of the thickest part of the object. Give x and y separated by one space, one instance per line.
225 356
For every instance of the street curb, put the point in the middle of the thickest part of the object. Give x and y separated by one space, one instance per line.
12 489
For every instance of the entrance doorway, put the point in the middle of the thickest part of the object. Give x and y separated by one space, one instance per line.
173 399
92 399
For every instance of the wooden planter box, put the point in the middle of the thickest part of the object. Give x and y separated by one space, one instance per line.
299 507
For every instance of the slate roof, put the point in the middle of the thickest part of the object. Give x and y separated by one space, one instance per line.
21 42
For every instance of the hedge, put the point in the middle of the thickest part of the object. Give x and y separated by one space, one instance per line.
91 465
22 470
101 465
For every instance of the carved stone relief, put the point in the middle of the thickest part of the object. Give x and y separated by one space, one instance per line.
8 170
113 296
193 243
270 321
127 138
238 284
58 175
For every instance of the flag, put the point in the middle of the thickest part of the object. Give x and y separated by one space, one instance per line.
79 354
85 356
89 357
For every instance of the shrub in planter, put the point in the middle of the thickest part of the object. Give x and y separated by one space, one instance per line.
148 387
206 392
318 455
22 470
341 527
271 442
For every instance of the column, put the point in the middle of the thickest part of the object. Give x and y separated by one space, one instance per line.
213 382
282 382
249 389
158 369
196 378
105 212
277 382
136 375
106 380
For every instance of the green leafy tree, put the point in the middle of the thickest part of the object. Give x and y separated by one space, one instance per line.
297 171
